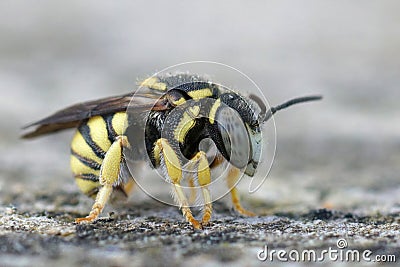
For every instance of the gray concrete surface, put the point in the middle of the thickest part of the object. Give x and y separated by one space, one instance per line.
336 170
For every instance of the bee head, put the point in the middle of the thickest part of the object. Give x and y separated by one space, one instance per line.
247 145
242 135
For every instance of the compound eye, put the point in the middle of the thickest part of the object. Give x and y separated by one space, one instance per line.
235 137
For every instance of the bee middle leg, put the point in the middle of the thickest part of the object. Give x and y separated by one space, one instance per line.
109 173
192 196
174 170
232 179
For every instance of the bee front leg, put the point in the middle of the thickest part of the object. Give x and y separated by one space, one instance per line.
204 178
174 170
199 165
232 179
109 173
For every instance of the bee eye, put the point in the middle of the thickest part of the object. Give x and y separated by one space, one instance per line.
235 136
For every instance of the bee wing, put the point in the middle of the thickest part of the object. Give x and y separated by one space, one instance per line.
70 117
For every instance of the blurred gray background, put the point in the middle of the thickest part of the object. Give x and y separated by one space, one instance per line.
342 152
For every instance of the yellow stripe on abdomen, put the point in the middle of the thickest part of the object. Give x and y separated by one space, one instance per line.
120 122
80 146
98 132
78 167
87 187
80 170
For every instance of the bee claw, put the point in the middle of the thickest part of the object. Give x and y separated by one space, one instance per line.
205 224
247 213
196 225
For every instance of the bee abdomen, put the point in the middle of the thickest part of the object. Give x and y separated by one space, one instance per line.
89 146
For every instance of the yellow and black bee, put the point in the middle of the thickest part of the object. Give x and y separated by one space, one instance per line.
172 137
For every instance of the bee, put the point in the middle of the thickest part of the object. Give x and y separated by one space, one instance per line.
107 127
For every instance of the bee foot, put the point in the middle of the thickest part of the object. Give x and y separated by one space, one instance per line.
246 212
88 219
196 224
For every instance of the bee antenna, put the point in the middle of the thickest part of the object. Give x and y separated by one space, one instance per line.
289 103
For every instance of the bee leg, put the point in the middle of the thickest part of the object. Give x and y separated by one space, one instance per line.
219 159
174 170
204 178
191 182
129 186
109 173
123 189
192 197
233 177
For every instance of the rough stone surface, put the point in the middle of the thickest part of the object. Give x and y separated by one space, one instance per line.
151 234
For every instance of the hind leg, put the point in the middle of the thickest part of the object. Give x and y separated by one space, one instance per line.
109 173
